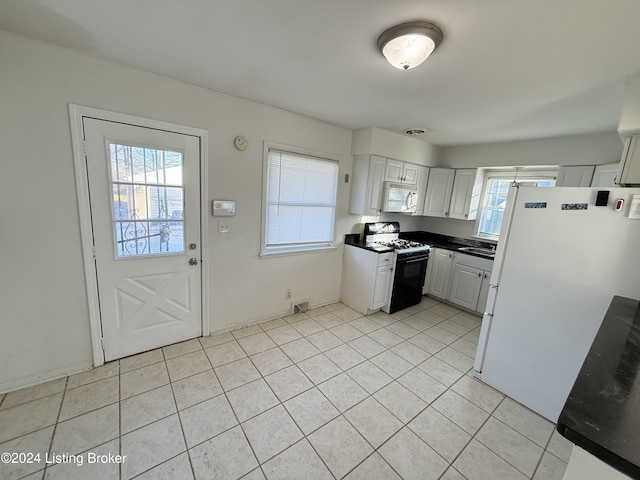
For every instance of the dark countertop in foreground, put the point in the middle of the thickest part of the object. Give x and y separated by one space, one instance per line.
602 413
435 240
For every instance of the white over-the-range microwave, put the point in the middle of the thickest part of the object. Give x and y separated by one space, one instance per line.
399 197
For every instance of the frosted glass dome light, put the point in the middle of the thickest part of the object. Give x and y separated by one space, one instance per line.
409 44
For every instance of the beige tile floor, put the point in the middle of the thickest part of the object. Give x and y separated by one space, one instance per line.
326 394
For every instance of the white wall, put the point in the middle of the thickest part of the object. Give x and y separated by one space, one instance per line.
44 312
630 117
593 149
377 141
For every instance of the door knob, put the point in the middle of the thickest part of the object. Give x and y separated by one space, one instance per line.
193 261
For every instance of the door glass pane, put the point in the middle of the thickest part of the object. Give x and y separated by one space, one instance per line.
148 200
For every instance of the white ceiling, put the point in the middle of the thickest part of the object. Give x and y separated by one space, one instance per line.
506 70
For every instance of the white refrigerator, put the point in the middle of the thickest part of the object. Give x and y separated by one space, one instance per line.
555 273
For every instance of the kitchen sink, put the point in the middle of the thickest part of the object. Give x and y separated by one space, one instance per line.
486 252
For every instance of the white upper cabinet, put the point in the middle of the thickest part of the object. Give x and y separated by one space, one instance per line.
401 172
410 173
438 195
605 175
421 183
465 199
575 176
393 171
366 184
629 173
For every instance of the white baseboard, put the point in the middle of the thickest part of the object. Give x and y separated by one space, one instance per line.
29 381
266 318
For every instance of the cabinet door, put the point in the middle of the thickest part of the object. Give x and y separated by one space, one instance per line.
579 176
393 171
421 183
410 173
440 272
484 292
630 166
605 175
465 286
438 194
462 193
374 185
382 286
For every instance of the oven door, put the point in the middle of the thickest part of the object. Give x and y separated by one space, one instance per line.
408 280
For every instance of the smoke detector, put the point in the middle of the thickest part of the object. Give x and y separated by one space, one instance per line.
416 131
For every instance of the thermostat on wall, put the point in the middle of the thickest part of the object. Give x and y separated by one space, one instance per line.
223 208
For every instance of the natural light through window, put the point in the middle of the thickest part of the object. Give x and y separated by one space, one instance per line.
300 202
495 199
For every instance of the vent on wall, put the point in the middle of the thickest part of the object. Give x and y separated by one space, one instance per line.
299 307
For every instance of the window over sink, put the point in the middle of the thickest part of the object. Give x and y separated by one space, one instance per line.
494 196
299 200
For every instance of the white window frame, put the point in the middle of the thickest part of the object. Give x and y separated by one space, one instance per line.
266 252
522 174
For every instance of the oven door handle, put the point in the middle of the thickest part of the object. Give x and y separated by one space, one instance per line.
413 260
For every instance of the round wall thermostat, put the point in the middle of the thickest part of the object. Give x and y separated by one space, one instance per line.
241 143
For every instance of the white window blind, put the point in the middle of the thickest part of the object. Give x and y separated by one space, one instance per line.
300 202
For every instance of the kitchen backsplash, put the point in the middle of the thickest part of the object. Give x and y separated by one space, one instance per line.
443 226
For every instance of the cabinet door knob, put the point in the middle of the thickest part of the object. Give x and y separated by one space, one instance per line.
479 274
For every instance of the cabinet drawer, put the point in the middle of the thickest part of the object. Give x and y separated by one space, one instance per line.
473 261
385 259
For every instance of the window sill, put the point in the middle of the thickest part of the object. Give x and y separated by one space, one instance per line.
296 251
487 238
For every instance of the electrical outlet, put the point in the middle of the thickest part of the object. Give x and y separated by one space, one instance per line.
288 293
223 227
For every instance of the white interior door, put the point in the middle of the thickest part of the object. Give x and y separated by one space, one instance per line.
145 210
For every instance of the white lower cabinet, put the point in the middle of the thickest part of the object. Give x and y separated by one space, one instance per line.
440 261
366 279
465 286
459 278
382 285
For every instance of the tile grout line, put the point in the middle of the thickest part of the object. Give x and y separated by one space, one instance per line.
120 473
55 425
184 437
472 437
239 424
387 349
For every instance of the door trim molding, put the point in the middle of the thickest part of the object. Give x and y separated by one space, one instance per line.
76 114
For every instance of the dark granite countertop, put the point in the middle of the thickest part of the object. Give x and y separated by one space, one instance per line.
354 240
435 240
602 413
447 242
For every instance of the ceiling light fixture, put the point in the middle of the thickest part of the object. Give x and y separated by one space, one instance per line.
409 44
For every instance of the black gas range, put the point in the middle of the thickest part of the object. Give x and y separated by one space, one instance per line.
410 263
